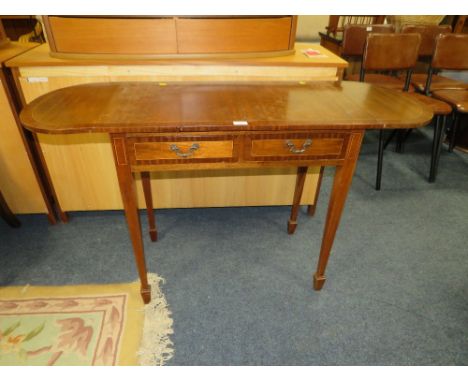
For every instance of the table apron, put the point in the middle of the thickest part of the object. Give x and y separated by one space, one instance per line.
185 151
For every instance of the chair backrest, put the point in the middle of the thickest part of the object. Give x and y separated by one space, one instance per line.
451 52
355 35
337 23
428 36
391 51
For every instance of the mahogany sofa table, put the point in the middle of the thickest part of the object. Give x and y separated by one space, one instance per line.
224 125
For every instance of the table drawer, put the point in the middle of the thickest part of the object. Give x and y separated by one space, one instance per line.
296 146
181 149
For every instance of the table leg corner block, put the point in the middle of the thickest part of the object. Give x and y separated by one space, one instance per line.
146 294
292 225
153 235
319 281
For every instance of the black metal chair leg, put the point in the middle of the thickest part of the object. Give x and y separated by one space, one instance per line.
440 140
378 180
399 141
453 132
435 144
405 136
389 139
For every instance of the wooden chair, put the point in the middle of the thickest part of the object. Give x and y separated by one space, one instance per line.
354 38
377 60
6 213
450 53
428 35
336 24
399 52
332 38
459 100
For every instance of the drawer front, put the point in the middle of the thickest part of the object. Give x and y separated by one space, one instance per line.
182 149
271 147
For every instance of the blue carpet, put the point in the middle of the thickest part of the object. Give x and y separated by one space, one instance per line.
240 288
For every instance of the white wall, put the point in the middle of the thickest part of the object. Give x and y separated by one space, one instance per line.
308 27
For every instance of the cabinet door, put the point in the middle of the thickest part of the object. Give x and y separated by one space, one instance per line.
233 35
113 35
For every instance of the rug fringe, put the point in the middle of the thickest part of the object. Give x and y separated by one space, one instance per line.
156 346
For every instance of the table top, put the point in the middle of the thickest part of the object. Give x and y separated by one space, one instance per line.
40 57
149 107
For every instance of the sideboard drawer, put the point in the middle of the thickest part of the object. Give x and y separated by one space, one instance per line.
163 149
296 146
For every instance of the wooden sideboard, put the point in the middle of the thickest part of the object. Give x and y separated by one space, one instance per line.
81 166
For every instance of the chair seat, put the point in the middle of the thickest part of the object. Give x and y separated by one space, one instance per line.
438 107
381 80
457 98
437 82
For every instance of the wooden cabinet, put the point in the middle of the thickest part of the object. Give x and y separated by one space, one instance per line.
170 36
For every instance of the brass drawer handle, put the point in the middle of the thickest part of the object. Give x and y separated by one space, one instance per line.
293 148
189 153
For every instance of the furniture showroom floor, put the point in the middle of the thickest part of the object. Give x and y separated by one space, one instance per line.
240 288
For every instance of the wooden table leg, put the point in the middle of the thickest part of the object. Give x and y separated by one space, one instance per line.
311 208
146 181
341 185
6 213
127 190
300 179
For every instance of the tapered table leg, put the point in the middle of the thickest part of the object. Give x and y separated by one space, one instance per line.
127 190
6 213
300 179
341 185
146 181
312 207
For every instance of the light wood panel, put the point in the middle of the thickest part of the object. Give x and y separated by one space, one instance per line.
182 72
40 57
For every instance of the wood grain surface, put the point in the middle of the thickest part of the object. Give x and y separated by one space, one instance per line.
139 107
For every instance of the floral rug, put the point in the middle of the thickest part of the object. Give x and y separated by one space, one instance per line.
84 325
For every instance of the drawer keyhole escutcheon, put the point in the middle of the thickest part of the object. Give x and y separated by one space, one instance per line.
189 153
294 150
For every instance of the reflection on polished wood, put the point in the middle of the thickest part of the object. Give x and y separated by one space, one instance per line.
319 125
146 107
